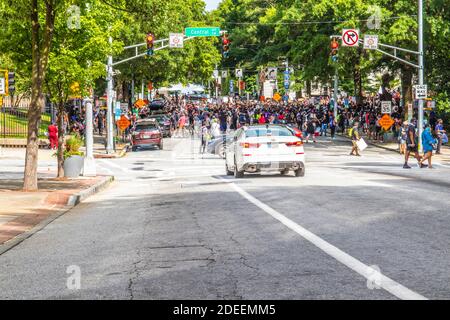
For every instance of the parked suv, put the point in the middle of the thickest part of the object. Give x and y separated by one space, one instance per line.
146 133
164 123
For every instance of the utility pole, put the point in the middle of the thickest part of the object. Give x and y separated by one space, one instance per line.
89 161
109 94
421 69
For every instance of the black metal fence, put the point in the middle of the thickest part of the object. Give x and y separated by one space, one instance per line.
14 123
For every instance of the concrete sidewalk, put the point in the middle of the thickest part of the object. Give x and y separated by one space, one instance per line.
23 213
100 148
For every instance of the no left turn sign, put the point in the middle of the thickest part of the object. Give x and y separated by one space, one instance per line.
350 37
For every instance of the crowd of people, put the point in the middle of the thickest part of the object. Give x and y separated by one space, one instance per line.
314 117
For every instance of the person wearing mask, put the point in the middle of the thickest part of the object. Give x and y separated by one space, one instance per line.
427 141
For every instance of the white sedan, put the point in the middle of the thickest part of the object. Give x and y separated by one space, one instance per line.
265 148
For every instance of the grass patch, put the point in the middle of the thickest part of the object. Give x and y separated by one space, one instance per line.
15 124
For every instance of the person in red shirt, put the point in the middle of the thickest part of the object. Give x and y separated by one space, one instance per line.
53 136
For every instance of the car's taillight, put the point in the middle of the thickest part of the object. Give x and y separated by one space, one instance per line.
250 145
294 144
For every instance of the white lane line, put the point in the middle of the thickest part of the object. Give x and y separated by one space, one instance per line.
115 165
367 272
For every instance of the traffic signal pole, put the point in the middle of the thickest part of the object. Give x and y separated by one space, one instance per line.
421 67
164 43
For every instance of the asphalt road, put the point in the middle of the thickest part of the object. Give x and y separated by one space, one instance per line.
173 226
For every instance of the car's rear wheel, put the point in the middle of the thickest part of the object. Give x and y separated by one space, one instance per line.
237 174
133 148
284 171
300 172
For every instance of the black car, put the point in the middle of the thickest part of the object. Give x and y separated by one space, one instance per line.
164 123
157 105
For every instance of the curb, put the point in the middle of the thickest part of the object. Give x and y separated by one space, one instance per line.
120 154
73 201
82 195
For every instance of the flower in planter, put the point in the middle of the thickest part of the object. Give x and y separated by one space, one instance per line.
72 146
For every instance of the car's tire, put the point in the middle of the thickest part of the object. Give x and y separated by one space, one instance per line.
237 174
300 172
133 148
284 172
229 172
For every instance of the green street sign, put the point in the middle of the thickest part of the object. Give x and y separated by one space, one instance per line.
202 32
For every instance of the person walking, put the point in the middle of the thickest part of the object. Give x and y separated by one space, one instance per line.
402 137
427 141
204 136
354 134
439 129
53 136
411 145
332 125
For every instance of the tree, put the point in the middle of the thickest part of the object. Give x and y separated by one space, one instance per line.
77 58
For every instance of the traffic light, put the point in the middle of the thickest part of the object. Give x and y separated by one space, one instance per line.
334 50
10 83
150 40
225 45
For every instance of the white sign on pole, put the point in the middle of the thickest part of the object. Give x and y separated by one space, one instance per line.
176 40
271 73
224 74
370 42
386 107
215 74
238 73
350 37
2 86
421 91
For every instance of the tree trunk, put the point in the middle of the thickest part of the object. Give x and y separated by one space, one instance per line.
308 88
60 156
357 79
407 94
39 66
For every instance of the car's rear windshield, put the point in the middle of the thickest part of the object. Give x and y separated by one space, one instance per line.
143 127
263 132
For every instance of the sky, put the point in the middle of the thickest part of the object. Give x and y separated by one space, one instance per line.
211 4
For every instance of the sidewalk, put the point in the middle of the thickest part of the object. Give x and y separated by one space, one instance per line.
23 213
100 148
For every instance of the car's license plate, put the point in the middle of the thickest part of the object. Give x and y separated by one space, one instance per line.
145 137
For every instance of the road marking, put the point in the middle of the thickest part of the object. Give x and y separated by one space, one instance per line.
386 283
115 165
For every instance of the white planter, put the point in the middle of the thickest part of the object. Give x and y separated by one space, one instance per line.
73 166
